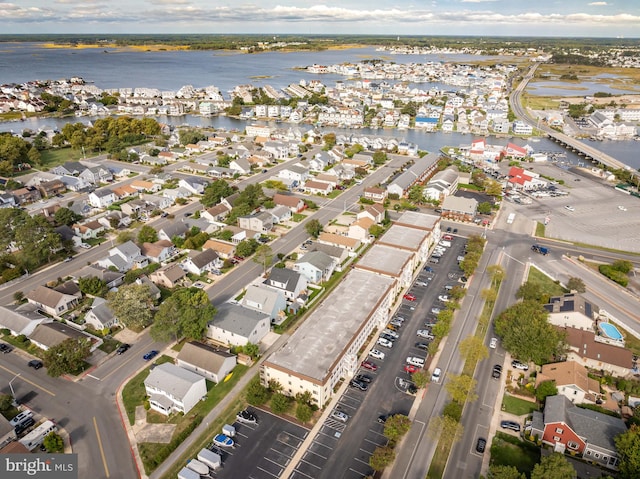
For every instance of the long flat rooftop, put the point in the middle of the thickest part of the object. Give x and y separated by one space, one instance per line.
404 237
322 339
385 260
415 219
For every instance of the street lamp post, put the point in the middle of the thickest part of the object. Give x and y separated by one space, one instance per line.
13 394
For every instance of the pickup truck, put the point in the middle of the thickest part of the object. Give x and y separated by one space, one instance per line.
540 249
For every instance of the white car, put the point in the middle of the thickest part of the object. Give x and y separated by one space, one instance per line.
435 310
340 416
391 333
435 377
415 361
622 208
396 323
424 333
570 208
376 354
519 365
422 283
85 245
444 298
385 343
494 343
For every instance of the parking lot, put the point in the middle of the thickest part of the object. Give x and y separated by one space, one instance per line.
342 449
261 451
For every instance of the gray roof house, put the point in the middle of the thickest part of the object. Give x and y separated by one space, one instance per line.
21 319
173 229
590 434
212 363
235 325
201 262
316 266
113 279
266 300
262 222
72 168
194 185
51 301
48 335
290 282
100 315
174 389
459 208
124 257
420 170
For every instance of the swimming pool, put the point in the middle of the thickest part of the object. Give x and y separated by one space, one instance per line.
610 331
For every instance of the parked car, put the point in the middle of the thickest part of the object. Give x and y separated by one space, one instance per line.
246 417
422 345
35 364
422 283
496 372
481 445
383 418
340 416
391 333
429 269
363 378
410 368
123 348
409 297
423 333
570 208
24 425
493 344
376 354
444 298
5 348
371 366
85 245
150 355
388 337
518 365
21 417
415 361
434 260
385 343
514 426
435 310
358 385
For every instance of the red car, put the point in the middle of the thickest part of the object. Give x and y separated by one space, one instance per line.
369 365
410 368
409 297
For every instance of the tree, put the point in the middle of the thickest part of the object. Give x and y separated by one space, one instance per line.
484 208
381 458
420 379
280 403
445 427
67 357
93 285
147 234
124 236
132 305
416 194
329 140
546 389
492 187
304 412
505 472
530 291
313 227
628 446
489 295
496 272
214 192
37 240
576 284
379 158
527 334
376 230
396 426
184 314
246 247
473 349
461 388
251 349
263 256
554 466
53 443
257 394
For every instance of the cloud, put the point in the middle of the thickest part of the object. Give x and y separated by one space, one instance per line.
597 4
477 1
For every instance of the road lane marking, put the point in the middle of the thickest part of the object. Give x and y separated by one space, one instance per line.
28 381
93 377
104 459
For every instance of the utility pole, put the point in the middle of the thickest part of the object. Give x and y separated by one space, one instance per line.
13 394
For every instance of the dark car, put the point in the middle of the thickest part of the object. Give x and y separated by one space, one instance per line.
449 229
497 372
358 385
24 425
514 426
481 445
150 355
364 378
35 364
422 345
429 269
383 418
5 348
455 230
123 348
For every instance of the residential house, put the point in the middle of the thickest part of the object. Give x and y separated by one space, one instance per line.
115 219
7 433
586 350
212 363
376 194
374 212
202 262
134 208
294 203
154 291
7 200
572 380
337 253
520 179
174 389
51 301
173 194
296 172
89 230
240 166
262 222
359 229
572 310
70 168
48 335
290 282
172 230
124 257
124 191
315 266
100 316
237 326
444 183
157 202
142 186
271 302
582 432
159 251
168 276
350 244
215 214
112 279
280 214
21 319
28 194
74 184
51 188
195 185
415 174
96 175
102 198
317 188
459 208
223 249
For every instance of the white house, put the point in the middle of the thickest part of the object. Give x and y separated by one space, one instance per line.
102 198
265 300
237 326
173 389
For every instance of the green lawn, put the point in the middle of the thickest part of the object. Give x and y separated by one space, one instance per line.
517 406
54 157
540 229
508 450
548 286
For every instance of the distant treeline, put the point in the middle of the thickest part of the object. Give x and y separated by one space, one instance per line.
234 42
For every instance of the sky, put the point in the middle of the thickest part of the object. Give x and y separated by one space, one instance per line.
558 18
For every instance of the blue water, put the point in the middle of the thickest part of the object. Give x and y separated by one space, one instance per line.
610 330
583 88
